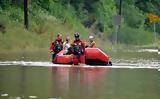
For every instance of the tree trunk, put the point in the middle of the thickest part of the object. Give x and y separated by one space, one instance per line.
26 14
120 7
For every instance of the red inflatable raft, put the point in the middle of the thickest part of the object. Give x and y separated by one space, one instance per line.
93 56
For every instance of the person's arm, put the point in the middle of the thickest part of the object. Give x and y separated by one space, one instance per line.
92 45
52 47
83 45
72 44
64 45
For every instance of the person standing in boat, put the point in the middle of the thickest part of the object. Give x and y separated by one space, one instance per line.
56 46
79 48
92 43
67 46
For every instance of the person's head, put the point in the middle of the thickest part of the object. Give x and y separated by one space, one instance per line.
91 38
59 36
76 36
67 39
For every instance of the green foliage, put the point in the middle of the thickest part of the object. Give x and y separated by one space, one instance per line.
133 36
105 10
5 3
133 17
148 6
48 17
16 14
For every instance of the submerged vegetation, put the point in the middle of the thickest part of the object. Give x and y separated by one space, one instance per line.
89 17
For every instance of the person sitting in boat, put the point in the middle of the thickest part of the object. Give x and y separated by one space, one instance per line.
67 46
79 48
92 43
56 46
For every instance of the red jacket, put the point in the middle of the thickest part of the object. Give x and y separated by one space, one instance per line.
82 57
54 43
79 42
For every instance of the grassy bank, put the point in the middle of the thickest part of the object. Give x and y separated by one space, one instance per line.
17 38
43 28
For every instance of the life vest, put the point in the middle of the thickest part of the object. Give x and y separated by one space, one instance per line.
78 47
56 46
78 50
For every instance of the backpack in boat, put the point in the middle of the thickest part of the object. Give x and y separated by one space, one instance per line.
78 50
58 47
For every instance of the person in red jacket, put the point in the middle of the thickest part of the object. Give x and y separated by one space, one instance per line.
79 48
56 46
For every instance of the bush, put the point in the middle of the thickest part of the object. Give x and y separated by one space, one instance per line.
133 17
105 10
15 14
129 35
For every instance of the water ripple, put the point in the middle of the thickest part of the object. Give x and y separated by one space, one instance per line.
116 64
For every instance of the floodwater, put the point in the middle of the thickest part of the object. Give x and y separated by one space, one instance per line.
132 76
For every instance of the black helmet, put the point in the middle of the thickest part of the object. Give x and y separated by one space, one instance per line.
76 35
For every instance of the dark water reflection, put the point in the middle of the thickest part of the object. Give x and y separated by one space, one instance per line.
79 83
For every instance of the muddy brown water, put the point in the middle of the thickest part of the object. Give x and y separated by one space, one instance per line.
19 81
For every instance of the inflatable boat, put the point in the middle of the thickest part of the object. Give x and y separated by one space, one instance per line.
93 56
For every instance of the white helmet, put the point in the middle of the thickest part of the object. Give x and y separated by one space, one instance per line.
91 37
